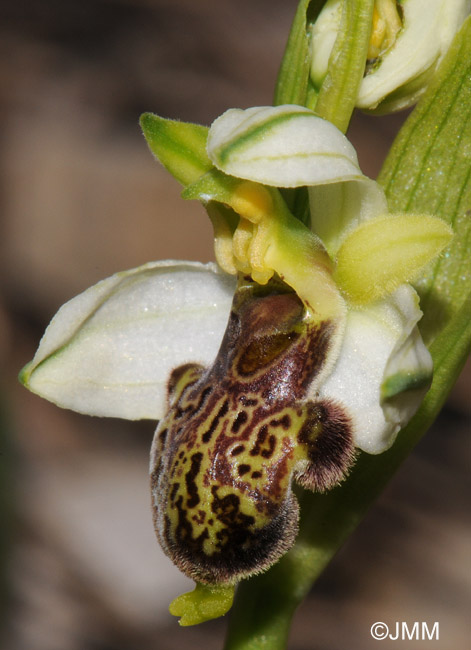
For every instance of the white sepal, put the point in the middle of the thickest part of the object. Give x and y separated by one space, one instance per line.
381 342
281 146
109 351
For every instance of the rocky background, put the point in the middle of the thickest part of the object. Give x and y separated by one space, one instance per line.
81 198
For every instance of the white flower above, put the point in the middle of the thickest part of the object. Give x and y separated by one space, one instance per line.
408 41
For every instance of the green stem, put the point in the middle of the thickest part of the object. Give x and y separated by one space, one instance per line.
347 62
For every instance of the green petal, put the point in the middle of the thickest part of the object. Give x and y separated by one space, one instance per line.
179 146
282 146
383 253
110 350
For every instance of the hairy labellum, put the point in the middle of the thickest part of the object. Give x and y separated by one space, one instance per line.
237 433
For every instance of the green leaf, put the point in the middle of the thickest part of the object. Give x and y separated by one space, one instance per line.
436 138
339 91
180 146
429 170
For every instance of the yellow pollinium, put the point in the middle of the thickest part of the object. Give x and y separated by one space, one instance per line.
386 26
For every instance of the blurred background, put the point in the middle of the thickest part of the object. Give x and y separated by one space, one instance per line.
81 198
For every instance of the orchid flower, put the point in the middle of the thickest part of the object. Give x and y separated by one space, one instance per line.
408 41
299 346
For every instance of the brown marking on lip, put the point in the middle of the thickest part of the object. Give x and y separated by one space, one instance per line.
199 517
173 491
261 437
268 313
163 436
206 437
248 401
191 369
190 476
243 469
267 360
240 420
227 510
240 549
205 393
284 422
238 450
278 472
268 453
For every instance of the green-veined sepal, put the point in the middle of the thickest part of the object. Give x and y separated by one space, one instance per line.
282 146
109 351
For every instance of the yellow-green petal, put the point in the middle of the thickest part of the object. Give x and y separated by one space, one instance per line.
383 253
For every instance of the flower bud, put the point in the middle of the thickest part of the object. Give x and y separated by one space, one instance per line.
408 41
